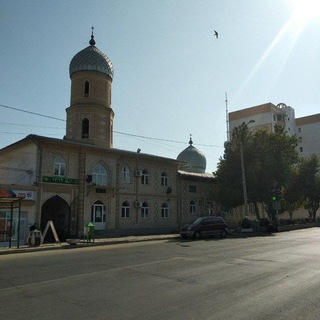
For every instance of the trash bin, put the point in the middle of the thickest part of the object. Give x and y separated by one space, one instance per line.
89 232
34 238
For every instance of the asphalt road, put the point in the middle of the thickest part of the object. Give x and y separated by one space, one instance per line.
271 277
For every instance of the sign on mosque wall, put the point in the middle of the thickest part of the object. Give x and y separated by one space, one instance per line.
27 195
60 180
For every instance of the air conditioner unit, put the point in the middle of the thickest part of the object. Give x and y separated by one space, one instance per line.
137 204
138 173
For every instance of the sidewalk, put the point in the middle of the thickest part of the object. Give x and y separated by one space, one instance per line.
82 244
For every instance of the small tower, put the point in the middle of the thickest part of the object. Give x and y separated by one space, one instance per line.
90 116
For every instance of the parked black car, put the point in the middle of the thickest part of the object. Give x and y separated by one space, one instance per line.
205 226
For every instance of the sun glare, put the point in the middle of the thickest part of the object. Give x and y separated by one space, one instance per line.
305 10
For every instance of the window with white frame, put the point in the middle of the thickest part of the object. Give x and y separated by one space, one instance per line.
99 175
98 212
125 210
125 175
145 177
192 207
59 167
164 179
144 210
165 211
209 206
252 209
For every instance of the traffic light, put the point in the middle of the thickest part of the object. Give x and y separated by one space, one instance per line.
276 193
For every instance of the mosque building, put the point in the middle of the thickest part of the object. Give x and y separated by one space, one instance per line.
82 178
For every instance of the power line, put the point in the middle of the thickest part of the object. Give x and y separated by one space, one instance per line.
164 140
24 133
30 125
118 132
30 112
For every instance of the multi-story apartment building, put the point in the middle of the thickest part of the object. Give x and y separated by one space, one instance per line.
308 133
267 115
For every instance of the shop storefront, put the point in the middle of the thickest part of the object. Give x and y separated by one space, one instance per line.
12 222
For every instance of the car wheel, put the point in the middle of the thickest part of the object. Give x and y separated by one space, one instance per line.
223 233
197 235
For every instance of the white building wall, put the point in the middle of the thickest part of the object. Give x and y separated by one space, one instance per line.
266 116
18 166
290 120
262 120
309 139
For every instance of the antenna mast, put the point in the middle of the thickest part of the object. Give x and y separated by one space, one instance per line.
227 117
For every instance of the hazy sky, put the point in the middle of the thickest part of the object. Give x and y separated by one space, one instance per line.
171 73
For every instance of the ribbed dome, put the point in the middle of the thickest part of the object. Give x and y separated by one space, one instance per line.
91 59
196 161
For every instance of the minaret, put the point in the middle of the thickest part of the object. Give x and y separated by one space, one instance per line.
90 116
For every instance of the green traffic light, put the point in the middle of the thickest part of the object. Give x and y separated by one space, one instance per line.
274 198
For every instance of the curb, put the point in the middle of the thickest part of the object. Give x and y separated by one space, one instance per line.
98 242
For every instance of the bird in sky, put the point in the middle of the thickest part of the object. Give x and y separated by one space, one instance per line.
215 34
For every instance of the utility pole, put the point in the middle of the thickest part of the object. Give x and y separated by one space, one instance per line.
243 172
227 117
244 183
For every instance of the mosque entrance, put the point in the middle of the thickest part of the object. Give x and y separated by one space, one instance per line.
58 211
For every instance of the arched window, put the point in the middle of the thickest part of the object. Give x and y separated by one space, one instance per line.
59 167
145 177
86 89
192 207
99 175
85 128
98 212
145 210
125 175
164 179
165 211
125 210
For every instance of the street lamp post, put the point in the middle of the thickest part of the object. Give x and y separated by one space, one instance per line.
243 172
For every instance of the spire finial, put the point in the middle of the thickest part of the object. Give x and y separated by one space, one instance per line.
92 42
190 141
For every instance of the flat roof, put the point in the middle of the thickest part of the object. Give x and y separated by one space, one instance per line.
308 120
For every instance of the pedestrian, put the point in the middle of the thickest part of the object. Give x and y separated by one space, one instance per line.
33 227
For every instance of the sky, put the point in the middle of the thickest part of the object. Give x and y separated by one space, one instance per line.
171 74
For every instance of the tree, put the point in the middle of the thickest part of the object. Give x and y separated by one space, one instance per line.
309 184
268 158
292 198
229 189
